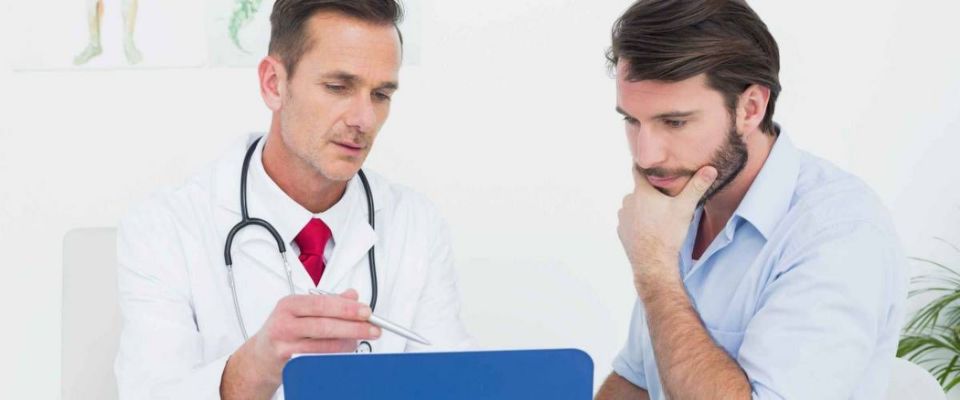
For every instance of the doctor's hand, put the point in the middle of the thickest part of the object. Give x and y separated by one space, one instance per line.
653 225
298 324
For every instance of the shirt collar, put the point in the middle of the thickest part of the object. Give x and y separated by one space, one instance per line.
771 193
337 216
272 204
269 202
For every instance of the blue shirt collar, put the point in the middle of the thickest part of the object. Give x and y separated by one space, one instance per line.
771 193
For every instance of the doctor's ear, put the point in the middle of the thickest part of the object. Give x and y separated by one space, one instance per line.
273 76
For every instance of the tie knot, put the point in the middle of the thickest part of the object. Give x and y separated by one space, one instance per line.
313 238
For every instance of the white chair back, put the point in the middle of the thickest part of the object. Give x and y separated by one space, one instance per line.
91 316
909 381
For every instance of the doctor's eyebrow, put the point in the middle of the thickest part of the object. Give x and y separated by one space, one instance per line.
352 80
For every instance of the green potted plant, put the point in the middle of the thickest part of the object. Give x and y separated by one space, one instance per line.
932 336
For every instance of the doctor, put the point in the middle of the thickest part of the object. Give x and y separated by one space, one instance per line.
329 77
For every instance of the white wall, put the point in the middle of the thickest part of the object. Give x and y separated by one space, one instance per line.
508 124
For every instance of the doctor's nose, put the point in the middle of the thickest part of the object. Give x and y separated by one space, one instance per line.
361 115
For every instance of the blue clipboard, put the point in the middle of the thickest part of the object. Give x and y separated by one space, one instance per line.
564 374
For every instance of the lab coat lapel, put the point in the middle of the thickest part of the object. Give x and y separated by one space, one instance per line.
258 246
253 242
253 245
351 253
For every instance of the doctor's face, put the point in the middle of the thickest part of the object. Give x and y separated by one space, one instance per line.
339 95
676 128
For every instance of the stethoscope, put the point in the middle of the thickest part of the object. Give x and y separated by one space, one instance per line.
246 221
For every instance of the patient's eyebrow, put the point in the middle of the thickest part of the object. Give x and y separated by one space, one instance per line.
675 115
624 113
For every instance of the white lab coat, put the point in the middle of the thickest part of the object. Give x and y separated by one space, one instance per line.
179 323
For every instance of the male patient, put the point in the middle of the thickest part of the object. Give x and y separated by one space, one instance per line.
761 271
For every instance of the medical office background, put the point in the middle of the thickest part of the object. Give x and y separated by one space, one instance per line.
505 119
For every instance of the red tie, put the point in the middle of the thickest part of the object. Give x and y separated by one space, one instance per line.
312 240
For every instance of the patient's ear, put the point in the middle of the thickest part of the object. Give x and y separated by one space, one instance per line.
752 108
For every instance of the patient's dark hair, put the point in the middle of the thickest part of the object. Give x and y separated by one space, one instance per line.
289 38
673 40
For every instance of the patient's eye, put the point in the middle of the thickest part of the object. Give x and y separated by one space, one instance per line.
675 123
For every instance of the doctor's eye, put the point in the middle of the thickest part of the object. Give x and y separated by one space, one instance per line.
335 88
380 96
630 120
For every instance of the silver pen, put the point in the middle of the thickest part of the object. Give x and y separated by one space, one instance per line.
383 323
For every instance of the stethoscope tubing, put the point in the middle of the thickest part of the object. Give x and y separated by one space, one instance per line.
247 221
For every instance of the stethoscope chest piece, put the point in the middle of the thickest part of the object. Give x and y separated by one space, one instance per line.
364 347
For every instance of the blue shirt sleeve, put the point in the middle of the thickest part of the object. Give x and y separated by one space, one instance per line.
830 304
629 362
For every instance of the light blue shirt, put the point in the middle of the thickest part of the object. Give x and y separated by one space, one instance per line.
804 287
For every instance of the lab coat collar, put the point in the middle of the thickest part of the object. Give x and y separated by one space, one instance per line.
347 219
353 236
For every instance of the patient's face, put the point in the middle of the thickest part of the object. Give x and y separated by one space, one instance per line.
676 128
339 95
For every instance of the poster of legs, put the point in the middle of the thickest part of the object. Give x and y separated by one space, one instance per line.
109 34
95 46
134 34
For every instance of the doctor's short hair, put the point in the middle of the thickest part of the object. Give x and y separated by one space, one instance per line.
290 39
674 40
